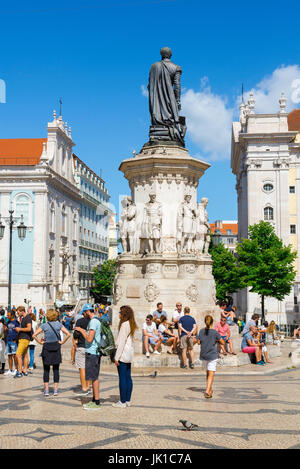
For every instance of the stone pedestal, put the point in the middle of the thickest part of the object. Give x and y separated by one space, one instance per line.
168 276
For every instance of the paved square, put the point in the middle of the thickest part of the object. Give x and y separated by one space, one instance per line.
245 412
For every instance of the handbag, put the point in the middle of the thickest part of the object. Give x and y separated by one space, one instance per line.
51 352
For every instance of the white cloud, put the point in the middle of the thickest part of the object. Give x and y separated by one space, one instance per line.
209 116
144 91
268 91
209 120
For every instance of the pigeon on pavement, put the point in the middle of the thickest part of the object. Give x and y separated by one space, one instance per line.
188 425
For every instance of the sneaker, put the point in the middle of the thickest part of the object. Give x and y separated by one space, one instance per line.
55 393
128 404
9 373
24 374
184 367
147 354
156 352
18 375
192 365
120 404
260 363
83 393
46 392
91 406
30 369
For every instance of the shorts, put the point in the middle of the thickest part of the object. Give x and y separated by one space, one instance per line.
210 365
151 340
186 342
224 338
11 348
249 349
92 367
22 347
80 358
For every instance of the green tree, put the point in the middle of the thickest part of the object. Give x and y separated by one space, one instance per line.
266 265
103 277
225 271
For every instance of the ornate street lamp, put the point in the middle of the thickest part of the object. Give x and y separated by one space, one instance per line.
22 234
22 229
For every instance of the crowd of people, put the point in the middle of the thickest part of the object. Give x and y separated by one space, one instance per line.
21 330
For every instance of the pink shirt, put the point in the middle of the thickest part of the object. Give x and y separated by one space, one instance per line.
223 330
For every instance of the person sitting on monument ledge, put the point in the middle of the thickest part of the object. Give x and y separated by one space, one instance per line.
151 336
167 337
158 313
178 313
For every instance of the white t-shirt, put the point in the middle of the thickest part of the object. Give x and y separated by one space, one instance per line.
161 328
150 328
177 315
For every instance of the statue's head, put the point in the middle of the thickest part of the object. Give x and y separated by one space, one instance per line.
152 196
165 53
188 197
126 201
204 201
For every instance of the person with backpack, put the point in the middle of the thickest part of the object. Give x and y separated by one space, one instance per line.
92 338
124 355
51 352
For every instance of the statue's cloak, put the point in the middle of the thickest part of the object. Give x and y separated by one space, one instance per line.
162 102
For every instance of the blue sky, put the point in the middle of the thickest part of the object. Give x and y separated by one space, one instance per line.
96 55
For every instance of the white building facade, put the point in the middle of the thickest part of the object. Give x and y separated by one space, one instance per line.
41 180
94 219
265 157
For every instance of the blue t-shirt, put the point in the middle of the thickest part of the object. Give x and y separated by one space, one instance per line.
94 325
50 335
158 314
12 334
246 337
187 323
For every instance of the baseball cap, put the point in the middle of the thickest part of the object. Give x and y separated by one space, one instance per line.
87 307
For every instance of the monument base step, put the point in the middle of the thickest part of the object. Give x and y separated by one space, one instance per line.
173 361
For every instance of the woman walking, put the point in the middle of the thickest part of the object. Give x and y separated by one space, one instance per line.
208 338
124 354
51 352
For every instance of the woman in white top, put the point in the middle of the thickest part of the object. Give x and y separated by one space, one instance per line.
32 343
124 354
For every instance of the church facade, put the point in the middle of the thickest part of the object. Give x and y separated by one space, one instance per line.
265 157
39 180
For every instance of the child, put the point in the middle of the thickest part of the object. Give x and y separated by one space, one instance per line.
208 338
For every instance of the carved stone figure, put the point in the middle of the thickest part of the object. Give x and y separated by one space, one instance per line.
127 225
202 237
186 218
151 227
164 100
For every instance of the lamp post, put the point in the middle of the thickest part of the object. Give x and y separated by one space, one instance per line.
11 220
89 279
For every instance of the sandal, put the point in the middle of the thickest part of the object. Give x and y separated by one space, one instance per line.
207 396
170 351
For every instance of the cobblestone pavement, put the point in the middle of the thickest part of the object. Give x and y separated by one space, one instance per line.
245 412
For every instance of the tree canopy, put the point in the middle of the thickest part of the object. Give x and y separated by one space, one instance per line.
103 277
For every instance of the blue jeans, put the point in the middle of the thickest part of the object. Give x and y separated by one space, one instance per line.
125 381
31 355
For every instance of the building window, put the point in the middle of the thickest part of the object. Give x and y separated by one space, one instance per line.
293 229
52 218
292 190
63 220
268 187
268 213
23 203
